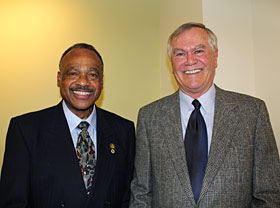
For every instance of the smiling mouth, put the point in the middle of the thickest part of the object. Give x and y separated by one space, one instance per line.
193 71
81 93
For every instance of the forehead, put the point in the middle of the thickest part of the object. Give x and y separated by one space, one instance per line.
192 37
81 57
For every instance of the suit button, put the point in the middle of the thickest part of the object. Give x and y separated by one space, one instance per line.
62 204
88 193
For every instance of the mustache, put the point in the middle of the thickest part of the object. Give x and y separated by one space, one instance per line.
81 88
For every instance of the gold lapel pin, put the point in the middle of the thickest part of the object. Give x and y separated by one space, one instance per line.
112 147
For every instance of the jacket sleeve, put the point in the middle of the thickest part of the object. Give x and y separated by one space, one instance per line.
266 172
130 166
14 183
141 191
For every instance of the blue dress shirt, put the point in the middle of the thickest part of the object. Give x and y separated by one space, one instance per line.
207 101
73 121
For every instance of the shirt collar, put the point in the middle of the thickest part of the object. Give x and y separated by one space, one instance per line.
207 100
73 120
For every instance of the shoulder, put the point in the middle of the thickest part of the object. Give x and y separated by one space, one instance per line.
108 116
165 102
110 122
236 97
243 101
32 124
36 117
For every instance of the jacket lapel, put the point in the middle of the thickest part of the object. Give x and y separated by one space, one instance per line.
64 155
225 122
106 159
172 132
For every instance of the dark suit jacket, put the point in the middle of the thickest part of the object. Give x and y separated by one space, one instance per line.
243 168
40 167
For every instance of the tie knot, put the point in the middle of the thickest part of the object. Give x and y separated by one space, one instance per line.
196 104
83 125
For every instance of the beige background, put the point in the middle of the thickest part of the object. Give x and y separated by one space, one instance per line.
131 35
248 33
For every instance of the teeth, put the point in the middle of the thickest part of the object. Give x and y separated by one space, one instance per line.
81 93
193 71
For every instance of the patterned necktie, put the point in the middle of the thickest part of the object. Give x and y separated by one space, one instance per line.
196 146
86 154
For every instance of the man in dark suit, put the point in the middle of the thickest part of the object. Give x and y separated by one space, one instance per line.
203 146
50 162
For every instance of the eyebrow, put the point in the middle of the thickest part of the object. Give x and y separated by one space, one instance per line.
77 68
93 69
178 49
200 46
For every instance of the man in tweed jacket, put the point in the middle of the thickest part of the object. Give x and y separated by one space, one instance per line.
243 168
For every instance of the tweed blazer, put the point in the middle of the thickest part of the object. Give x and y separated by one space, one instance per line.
243 168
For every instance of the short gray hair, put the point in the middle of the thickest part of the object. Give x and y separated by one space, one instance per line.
212 38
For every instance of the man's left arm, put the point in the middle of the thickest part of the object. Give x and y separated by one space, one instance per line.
266 178
130 134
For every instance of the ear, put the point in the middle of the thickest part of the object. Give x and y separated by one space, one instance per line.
216 58
58 79
101 82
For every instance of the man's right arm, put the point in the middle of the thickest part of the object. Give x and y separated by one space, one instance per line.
141 186
14 183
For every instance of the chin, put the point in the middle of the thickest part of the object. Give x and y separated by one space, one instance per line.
83 107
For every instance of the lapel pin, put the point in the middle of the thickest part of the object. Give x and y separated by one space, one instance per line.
112 147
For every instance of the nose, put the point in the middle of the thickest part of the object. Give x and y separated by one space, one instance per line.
190 59
83 80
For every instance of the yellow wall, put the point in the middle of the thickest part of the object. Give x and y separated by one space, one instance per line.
173 14
34 34
131 36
